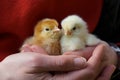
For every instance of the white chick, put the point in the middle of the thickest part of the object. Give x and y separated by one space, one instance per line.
75 34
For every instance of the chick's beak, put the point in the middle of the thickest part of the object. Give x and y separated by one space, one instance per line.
56 30
68 33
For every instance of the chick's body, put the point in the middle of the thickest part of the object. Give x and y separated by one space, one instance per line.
46 35
75 34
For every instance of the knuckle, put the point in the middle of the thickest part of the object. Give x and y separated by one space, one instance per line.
62 63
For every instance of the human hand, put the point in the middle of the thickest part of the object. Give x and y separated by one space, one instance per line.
36 66
100 65
100 68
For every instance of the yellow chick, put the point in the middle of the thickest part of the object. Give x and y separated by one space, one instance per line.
46 35
75 34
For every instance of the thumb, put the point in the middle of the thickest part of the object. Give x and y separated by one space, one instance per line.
58 63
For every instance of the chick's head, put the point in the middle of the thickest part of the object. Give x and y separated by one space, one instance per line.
74 25
47 29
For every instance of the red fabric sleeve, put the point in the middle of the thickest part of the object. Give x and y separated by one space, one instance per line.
18 17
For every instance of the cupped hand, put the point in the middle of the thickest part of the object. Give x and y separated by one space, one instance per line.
100 64
101 61
39 66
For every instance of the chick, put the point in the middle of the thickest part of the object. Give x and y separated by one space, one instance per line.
75 34
46 35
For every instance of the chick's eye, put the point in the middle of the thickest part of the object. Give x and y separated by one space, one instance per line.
74 28
47 29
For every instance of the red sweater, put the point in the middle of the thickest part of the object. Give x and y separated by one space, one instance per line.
18 17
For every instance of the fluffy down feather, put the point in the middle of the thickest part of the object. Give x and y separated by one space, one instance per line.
46 35
75 34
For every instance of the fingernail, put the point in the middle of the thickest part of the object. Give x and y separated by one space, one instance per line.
80 62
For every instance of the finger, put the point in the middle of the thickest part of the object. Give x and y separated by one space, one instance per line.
38 49
33 48
26 48
87 52
57 63
82 74
107 73
97 56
